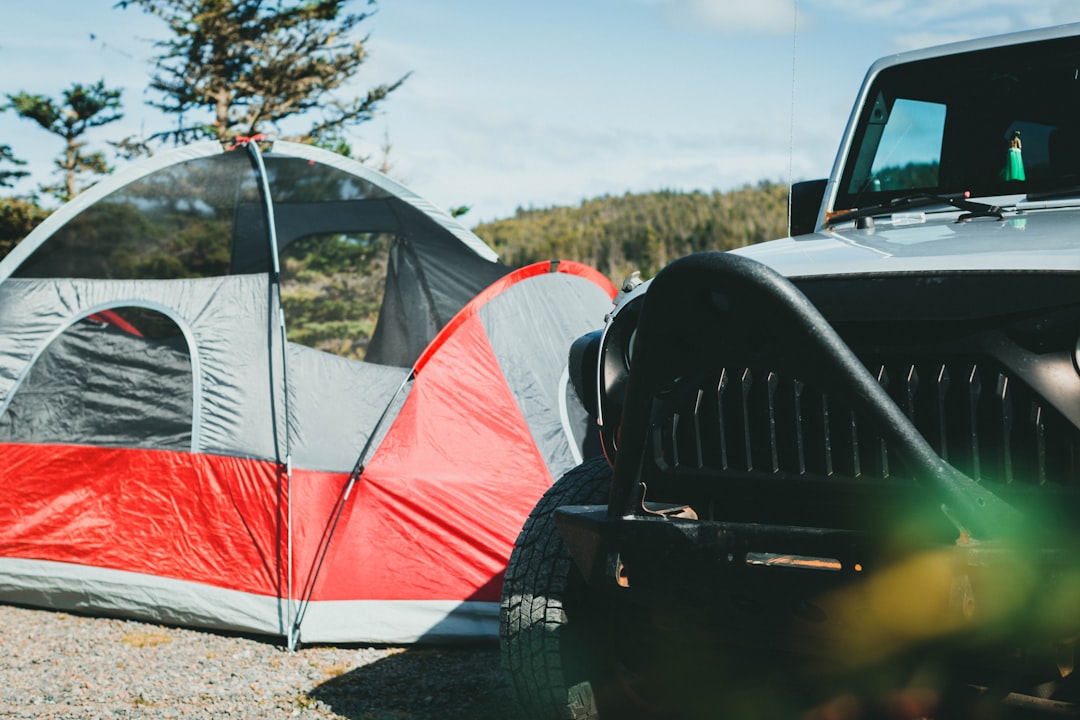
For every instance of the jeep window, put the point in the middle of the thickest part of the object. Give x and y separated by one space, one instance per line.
908 152
944 126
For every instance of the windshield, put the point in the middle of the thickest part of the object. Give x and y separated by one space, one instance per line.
994 122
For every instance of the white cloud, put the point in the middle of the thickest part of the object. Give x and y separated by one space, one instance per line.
498 161
918 23
922 23
924 39
770 17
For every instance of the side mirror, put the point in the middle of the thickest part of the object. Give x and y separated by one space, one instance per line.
805 202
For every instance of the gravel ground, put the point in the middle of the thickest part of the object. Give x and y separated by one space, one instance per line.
58 665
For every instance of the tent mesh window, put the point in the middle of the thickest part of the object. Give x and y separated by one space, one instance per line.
332 288
183 221
119 378
365 274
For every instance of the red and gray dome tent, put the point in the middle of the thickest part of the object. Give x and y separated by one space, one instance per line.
176 447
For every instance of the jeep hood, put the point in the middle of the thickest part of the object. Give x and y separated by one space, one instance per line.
1039 240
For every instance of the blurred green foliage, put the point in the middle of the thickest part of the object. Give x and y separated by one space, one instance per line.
18 216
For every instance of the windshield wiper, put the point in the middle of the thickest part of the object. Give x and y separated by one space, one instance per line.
959 201
1073 191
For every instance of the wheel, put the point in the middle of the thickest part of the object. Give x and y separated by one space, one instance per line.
572 653
542 635
553 629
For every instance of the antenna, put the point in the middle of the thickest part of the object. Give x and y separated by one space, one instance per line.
791 124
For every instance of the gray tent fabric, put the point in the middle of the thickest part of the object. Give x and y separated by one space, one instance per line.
82 588
336 404
424 285
97 384
224 321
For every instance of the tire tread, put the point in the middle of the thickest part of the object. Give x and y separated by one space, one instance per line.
532 614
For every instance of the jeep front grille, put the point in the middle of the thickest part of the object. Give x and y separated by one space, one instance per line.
974 413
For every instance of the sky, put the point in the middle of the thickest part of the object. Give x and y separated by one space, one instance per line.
515 105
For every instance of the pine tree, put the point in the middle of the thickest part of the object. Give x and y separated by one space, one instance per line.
8 177
82 108
240 67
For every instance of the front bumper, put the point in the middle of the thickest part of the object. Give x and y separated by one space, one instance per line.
833 601
756 586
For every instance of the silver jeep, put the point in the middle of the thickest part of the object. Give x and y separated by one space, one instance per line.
842 469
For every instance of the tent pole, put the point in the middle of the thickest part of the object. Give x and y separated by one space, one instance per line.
252 145
354 477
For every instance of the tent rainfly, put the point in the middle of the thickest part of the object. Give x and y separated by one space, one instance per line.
179 445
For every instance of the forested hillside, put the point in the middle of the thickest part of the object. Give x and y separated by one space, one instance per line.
642 232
